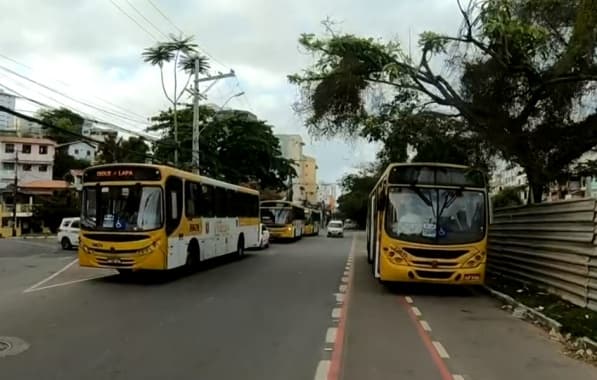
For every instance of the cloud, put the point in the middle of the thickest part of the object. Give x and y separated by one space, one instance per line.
96 49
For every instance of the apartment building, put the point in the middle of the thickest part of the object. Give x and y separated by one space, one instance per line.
29 159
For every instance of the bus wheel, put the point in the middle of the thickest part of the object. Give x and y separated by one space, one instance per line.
240 247
193 257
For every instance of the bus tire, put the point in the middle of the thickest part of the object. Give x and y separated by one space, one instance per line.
240 247
193 255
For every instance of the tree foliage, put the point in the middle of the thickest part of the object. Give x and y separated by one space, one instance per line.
523 78
234 146
51 210
68 124
117 149
506 198
352 204
63 163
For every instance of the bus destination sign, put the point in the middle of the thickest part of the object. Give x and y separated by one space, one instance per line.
122 173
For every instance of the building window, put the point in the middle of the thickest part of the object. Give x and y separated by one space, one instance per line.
88 153
10 166
9 148
76 151
43 149
27 167
43 168
27 148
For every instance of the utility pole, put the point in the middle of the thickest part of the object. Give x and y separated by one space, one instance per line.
196 96
14 195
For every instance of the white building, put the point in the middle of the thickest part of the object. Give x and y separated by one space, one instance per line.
327 195
30 159
304 186
7 121
90 130
81 150
26 128
508 176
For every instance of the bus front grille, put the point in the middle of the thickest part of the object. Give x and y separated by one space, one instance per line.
116 237
434 275
435 253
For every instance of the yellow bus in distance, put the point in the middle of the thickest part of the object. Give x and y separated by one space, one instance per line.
428 222
312 222
137 216
284 219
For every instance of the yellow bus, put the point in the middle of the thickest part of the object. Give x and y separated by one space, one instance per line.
312 222
284 219
137 216
428 222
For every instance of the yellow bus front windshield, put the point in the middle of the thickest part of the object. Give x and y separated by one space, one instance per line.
436 216
276 216
122 208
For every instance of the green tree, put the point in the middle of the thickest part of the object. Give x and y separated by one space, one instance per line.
352 204
116 149
507 197
63 162
523 71
182 53
235 146
68 124
51 210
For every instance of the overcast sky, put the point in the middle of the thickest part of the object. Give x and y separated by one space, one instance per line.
90 50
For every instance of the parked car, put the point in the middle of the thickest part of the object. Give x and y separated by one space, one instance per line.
335 228
264 238
68 232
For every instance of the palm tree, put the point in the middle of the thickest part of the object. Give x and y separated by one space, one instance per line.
182 52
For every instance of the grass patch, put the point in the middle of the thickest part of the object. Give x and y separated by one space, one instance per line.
575 320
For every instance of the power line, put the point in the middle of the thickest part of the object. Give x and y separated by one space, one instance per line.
70 85
83 114
55 127
133 20
164 16
145 18
120 116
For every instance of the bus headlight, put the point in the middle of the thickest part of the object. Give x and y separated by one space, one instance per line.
475 260
85 248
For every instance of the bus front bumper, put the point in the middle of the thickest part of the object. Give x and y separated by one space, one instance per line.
281 233
456 276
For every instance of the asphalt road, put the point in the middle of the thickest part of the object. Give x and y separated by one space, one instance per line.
304 310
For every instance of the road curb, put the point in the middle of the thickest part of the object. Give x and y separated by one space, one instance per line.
549 322
542 318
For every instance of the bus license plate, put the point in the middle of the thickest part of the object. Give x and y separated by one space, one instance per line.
472 277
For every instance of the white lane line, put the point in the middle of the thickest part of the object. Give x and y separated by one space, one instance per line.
425 326
323 367
441 350
457 377
339 297
343 288
416 311
63 284
346 273
408 299
330 335
336 313
344 279
52 275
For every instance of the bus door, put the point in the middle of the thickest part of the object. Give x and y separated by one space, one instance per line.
177 248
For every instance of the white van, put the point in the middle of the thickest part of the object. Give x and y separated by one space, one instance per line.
68 233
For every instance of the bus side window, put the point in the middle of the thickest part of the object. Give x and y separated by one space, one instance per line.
220 202
173 203
206 202
191 199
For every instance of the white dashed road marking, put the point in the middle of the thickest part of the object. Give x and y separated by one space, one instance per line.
425 326
321 373
441 350
330 335
408 299
457 377
416 311
344 279
343 288
336 312
339 297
